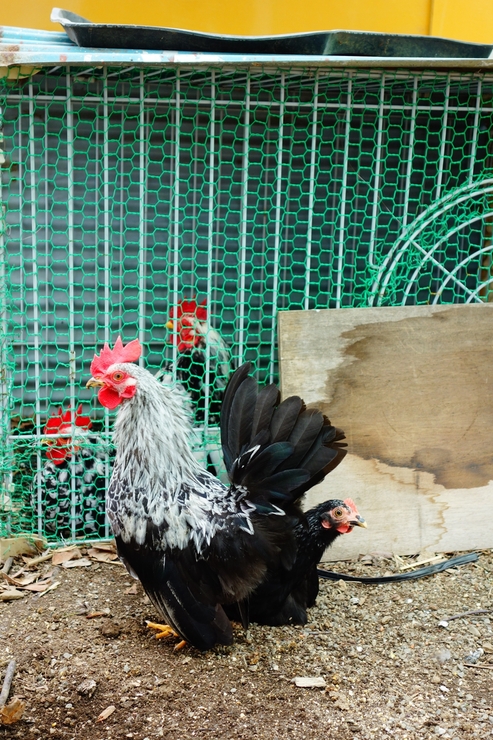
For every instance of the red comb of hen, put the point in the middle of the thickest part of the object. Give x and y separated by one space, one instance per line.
189 306
349 502
55 423
120 353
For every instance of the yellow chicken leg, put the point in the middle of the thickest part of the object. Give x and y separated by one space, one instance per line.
164 630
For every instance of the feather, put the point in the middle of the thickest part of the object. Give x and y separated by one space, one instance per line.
234 384
240 416
285 417
267 400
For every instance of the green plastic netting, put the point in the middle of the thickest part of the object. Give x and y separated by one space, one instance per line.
257 190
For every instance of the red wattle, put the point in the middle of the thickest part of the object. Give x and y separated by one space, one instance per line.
109 398
57 455
344 528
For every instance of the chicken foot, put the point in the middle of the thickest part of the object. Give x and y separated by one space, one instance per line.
164 630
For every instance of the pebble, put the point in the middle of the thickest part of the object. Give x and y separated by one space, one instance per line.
474 656
110 629
474 631
86 688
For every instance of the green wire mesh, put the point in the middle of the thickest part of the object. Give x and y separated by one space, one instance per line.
126 190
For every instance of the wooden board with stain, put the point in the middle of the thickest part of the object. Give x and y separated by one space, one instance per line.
412 387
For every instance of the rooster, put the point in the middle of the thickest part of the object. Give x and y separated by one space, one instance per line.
203 364
193 542
285 593
81 458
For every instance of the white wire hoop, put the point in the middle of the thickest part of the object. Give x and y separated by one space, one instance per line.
411 240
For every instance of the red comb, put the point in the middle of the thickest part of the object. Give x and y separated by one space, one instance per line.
349 502
120 353
55 423
191 307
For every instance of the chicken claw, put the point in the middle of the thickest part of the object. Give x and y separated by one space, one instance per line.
164 630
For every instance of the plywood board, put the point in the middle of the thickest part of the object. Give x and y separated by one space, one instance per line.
412 387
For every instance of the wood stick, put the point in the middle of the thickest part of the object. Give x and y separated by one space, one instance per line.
7 565
468 614
7 683
472 665
40 559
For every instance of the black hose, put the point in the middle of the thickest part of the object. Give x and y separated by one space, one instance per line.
421 573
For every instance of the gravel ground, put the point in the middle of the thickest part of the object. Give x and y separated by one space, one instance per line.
389 666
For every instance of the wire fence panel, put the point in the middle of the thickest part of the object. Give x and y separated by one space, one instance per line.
125 191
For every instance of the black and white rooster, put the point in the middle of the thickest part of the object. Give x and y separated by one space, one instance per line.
78 461
194 543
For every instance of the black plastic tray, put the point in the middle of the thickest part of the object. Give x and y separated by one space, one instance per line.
326 43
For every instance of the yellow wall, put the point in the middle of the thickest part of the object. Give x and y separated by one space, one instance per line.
470 20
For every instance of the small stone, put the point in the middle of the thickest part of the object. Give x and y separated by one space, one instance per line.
386 619
473 657
309 682
435 679
110 629
444 688
443 624
474 631
487 647
86 688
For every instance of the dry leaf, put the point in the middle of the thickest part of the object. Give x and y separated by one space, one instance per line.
42 586
107 546
106 713
50 588
21 581
11 594
133 589
65 554
12 546
12 712
93 615
81 563
103 556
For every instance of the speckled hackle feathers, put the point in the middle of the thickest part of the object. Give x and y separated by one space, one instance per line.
120 353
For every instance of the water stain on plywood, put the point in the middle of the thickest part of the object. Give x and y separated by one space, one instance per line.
418 393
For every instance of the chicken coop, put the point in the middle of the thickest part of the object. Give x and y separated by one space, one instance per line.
132 181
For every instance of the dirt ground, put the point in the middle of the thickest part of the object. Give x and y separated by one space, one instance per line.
393 662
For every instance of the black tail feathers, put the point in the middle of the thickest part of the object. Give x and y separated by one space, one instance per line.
277 451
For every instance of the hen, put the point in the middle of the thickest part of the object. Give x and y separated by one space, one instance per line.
203 363
193 542
285 593
78 462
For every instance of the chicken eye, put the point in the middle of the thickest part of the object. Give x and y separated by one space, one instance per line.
117 376
338 512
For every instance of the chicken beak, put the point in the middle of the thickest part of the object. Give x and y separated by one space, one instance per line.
359 522
169 325
94 383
